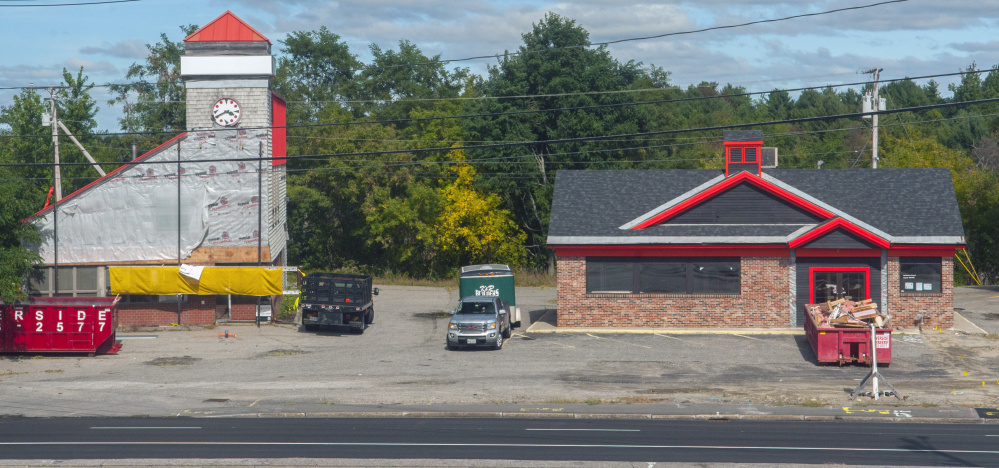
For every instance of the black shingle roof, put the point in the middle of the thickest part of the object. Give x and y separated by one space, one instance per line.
902 203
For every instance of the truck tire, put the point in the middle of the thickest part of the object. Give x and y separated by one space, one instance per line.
370 316
509 331
499 342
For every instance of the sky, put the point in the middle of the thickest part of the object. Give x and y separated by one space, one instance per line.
906 38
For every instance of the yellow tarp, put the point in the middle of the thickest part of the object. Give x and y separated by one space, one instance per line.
245 281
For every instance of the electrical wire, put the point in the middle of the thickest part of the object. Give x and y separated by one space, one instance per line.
105 2
567 140
534 111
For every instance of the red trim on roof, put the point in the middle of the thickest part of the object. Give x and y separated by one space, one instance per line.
837 223
671 251
729 183
924 251
111 175
837 252
226 28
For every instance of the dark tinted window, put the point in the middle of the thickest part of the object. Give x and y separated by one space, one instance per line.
920 274
663 275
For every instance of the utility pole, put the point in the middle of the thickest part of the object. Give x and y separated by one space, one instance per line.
55 144
875 107
58 194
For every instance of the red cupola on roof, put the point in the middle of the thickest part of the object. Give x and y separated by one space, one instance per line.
226 28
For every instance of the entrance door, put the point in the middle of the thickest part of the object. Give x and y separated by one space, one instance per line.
830 284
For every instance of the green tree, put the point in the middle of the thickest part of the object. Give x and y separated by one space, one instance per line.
396 77
559 70
22 188
153 98
316 73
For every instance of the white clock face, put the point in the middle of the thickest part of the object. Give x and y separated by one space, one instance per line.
226 112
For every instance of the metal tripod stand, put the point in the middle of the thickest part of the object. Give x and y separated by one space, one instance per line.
874 375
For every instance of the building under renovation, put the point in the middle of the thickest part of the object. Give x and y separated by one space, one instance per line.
211 196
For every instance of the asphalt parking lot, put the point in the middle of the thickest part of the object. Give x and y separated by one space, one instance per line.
401 360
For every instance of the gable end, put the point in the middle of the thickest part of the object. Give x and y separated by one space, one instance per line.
746 204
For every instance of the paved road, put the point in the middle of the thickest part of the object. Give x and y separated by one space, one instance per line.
465 440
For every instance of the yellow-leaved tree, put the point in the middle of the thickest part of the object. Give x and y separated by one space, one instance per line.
472 227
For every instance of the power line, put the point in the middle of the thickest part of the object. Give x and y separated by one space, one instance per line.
643 38
66 4
535 111
568 140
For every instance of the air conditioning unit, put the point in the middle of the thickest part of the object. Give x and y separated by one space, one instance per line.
768 159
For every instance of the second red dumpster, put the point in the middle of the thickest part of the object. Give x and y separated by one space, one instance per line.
843 345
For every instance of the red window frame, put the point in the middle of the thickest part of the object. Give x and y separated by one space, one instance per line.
742 146
811 279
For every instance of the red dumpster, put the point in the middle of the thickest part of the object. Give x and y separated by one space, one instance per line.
842 345
60 325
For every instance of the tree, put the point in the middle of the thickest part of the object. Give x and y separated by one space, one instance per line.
556 67
156 105
20 189
316 74
396 77
472 226
78 112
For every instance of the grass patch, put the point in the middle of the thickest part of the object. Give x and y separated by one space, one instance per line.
53 371
4 374
992 336
173 361
563 401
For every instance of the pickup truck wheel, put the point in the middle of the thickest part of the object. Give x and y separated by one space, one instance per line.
370 316
499 342
508 332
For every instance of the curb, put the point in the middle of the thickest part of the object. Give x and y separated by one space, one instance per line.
624 416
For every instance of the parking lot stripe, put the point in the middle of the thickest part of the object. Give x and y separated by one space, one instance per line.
670 337
617 341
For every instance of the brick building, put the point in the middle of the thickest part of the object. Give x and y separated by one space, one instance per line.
748 246
214 195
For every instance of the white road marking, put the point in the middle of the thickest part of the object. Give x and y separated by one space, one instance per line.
747 337
588 430
617 341
573 446
134 427
669 336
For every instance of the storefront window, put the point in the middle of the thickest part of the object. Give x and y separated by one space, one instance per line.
920 275
663 276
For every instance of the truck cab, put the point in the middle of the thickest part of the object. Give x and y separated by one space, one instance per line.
479 321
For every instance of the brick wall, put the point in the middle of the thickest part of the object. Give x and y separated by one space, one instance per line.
198 310
763 302
937 309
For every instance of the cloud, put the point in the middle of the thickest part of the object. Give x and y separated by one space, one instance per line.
124 49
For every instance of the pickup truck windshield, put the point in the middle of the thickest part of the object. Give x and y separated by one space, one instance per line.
477 308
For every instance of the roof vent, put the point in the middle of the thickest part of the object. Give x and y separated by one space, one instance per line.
742 151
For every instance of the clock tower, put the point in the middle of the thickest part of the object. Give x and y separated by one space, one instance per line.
227 68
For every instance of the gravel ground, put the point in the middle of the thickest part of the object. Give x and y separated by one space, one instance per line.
401 360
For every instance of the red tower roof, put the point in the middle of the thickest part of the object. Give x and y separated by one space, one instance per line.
226 28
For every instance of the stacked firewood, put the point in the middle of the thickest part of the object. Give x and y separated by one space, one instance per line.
847 313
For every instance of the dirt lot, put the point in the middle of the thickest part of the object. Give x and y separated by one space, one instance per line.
401 360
